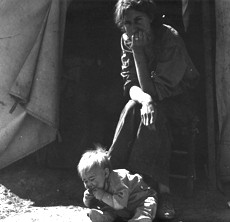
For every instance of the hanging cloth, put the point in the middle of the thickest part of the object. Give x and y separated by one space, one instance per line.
222 86
31 40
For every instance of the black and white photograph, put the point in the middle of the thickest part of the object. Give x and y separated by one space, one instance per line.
115 110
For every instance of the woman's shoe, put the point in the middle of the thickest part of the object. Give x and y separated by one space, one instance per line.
165 208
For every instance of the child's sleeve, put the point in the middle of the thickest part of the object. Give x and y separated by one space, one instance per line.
119 199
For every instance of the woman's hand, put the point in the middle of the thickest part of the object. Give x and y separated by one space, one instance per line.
148 115
139 41
88 198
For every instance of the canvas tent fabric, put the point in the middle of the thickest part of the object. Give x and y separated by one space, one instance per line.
223 86
31 41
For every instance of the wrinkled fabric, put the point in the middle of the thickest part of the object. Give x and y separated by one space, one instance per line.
31 40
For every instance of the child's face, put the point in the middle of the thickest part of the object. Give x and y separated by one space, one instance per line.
95 178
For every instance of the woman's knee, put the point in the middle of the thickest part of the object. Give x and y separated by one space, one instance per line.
131 104
131 107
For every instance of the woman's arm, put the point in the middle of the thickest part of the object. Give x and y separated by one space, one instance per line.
133 82
143 73
139 42
148 109
143 93
138 95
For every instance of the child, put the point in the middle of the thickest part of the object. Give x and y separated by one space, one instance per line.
113 194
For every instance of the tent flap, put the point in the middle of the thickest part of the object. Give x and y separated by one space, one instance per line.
31 41
223 85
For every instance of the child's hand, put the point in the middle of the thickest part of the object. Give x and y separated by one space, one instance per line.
88 194
98 193
88 198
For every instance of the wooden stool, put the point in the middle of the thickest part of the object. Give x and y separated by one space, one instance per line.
182 165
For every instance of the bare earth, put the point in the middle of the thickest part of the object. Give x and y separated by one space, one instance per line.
31 193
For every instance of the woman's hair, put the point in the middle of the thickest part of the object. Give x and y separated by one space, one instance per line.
146 6
94 158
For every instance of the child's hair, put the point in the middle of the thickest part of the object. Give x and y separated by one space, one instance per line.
97 157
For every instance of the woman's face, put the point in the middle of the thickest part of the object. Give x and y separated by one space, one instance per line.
95 178
135 22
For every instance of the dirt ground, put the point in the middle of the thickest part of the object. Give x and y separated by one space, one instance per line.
29 192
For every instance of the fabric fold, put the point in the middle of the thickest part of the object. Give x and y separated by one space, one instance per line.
31 41
22 85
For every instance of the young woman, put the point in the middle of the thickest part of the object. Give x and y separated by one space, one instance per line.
158 78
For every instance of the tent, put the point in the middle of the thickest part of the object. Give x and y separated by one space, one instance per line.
31 40
222 83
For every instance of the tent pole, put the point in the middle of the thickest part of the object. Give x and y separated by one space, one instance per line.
209 84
